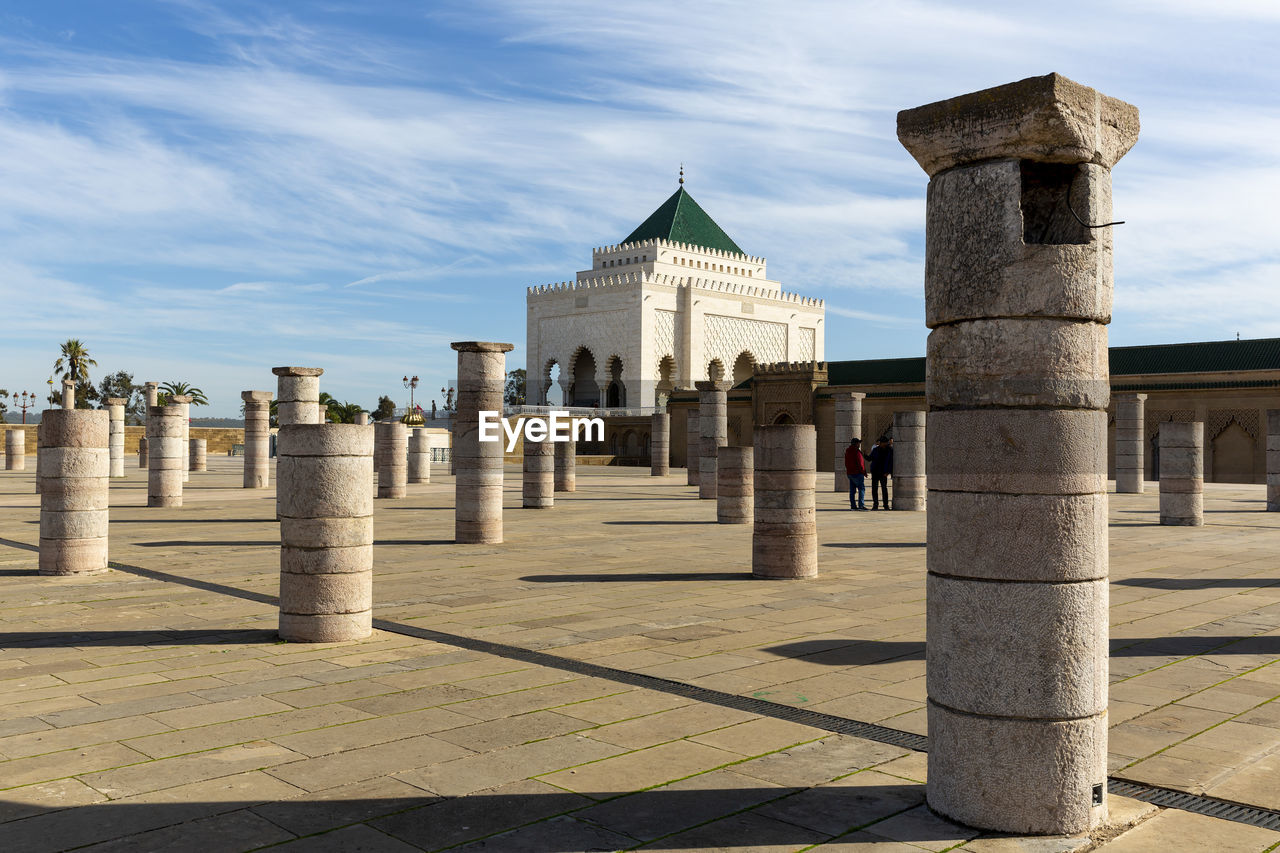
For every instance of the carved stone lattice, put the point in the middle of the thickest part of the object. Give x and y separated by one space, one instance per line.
881 425
1220 419
727 337
664 333
806 345
1159 416
599 332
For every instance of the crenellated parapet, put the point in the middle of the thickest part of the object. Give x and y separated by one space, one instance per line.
621 280
622 248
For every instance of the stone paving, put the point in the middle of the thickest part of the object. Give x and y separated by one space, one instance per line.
143 708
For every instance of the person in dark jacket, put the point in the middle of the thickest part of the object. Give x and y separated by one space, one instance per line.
881 470
855 465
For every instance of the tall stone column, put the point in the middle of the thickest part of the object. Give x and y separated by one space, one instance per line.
1182 474
566 464
15 450
1018 294
1130 434
848 425
660 445
482 376
182 403
198 454
419 457
713 423
539 474
735 493
39 444
325 482
909 482
151 391
115 415
393 468
73 499
164 456
68 394
1273 460
692 448
257 439
297 396
784 535
362 419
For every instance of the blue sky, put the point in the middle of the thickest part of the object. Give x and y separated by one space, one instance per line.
203 190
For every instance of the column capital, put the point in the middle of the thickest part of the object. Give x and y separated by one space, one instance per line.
256 396
713 386
116 401
848 395
297 371
180 398
482 346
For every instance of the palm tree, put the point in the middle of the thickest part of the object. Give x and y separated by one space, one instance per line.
74 363
180 389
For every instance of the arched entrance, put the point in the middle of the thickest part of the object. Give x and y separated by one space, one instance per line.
616 393
666 381
743 367
584 390
552 393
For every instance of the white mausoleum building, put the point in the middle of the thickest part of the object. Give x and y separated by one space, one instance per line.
674 303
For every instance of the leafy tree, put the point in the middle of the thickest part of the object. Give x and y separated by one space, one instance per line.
3 408
120 385
86 394
386 408
182 389
74 363
513 394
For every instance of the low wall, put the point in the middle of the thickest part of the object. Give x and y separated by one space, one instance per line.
219 439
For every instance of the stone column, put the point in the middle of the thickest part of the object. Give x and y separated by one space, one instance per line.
482 376
257 439
362 419
115 415
660 445
735 494
1129 438
848 425
164 456
692 447
73 499
68 394
1273 460
393 468
539 474
15 450
152 393
713 423
39 444
566 453
322 413
909 483
1018 294
784 534
297 396
1182 474
419 457
182 403
325 483
198 454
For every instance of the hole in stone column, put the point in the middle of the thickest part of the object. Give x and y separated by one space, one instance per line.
1097 795
1046 192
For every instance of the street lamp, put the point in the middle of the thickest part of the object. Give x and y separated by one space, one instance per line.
27 401
412 417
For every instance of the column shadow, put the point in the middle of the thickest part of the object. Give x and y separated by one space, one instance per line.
639 577
121 639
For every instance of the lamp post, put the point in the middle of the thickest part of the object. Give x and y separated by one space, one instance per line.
411 417
28 400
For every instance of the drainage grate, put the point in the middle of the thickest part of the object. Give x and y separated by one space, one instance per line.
1164 797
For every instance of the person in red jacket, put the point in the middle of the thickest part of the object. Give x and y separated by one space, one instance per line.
855 465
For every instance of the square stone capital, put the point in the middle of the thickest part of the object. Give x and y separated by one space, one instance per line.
256 396
297 371
841 395
1047 119
151 386
116 401
481 346
713 386
180 398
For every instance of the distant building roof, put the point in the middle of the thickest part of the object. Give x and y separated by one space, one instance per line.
681 220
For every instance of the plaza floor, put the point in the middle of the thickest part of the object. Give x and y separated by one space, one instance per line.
608 678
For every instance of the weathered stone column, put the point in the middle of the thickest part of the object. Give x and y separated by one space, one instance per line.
735 495
784 535
393 468
1273 460
909 482
362 419
1182 474
692 447
660 445
15 450
39 444
257 439
848 425
297 396
152 393
566 453
322 413
482 376
198 454
164 456
713 422
182 403
325 482
115 415
419 457
539 474
68 394
1018 294
73 499
1130 434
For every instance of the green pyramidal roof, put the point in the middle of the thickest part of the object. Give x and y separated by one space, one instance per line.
681 220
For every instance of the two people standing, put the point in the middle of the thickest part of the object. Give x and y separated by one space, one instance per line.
855 466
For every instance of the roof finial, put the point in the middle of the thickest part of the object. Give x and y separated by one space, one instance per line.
682 174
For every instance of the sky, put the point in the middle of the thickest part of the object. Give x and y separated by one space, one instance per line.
202 190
